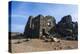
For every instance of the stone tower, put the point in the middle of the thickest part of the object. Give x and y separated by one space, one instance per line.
39 24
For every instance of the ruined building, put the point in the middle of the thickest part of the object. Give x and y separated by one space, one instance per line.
36 26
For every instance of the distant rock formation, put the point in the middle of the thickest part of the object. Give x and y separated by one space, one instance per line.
46 25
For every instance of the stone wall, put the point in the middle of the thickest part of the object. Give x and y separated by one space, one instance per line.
36 25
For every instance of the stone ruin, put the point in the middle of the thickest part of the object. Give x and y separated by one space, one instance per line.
46 25
37 26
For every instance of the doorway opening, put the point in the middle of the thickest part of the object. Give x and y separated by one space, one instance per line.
43 31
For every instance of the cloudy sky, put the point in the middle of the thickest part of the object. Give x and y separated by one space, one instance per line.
20 11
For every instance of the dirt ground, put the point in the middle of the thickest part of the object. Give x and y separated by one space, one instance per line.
37 45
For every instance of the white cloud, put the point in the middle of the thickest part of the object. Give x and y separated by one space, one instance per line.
17 28
16 15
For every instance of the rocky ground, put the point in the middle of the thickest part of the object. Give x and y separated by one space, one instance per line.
36 45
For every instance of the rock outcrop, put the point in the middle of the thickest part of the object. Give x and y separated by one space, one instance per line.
66 27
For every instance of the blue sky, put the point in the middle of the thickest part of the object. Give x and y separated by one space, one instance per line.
20 12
